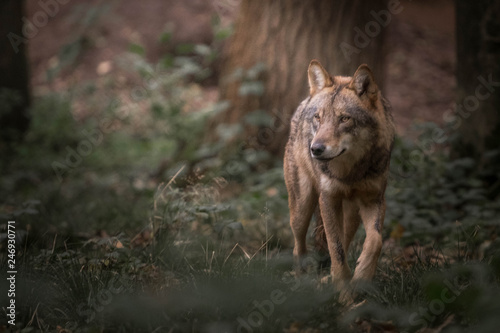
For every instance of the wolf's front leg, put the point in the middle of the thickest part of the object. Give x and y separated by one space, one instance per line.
331 212
372 215
301 210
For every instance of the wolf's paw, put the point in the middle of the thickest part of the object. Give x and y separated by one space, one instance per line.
326 279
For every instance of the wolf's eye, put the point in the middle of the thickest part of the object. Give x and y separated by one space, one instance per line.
316 116
344 119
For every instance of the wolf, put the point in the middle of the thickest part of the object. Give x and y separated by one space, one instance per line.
336 163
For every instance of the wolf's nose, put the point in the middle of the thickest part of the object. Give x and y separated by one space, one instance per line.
317 149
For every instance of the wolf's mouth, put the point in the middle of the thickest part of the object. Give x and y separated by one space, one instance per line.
329 158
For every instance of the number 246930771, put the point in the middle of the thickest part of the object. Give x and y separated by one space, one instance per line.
11 244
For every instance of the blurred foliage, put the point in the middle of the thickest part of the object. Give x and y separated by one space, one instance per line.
430 194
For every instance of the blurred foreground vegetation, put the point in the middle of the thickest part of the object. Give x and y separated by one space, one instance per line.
127 220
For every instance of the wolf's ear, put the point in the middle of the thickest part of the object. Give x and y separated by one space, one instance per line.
364 84
318 77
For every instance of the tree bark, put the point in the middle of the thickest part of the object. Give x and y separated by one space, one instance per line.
14 86
478 77
283 36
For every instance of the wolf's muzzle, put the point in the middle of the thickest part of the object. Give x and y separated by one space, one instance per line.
317 149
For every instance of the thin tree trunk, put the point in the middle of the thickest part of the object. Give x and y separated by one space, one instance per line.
14 87
478 77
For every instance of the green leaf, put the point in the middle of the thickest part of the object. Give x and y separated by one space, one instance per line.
235 225
228 131
137 49
184 48
258 118
251 88
202 50
168 61
254 72
166 37
223 34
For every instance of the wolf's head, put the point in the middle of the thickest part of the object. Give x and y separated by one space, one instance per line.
344 120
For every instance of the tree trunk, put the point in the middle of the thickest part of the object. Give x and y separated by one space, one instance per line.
14 91
273 43
478 77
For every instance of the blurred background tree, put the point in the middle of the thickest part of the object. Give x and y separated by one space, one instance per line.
14 82
478 77
265 67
